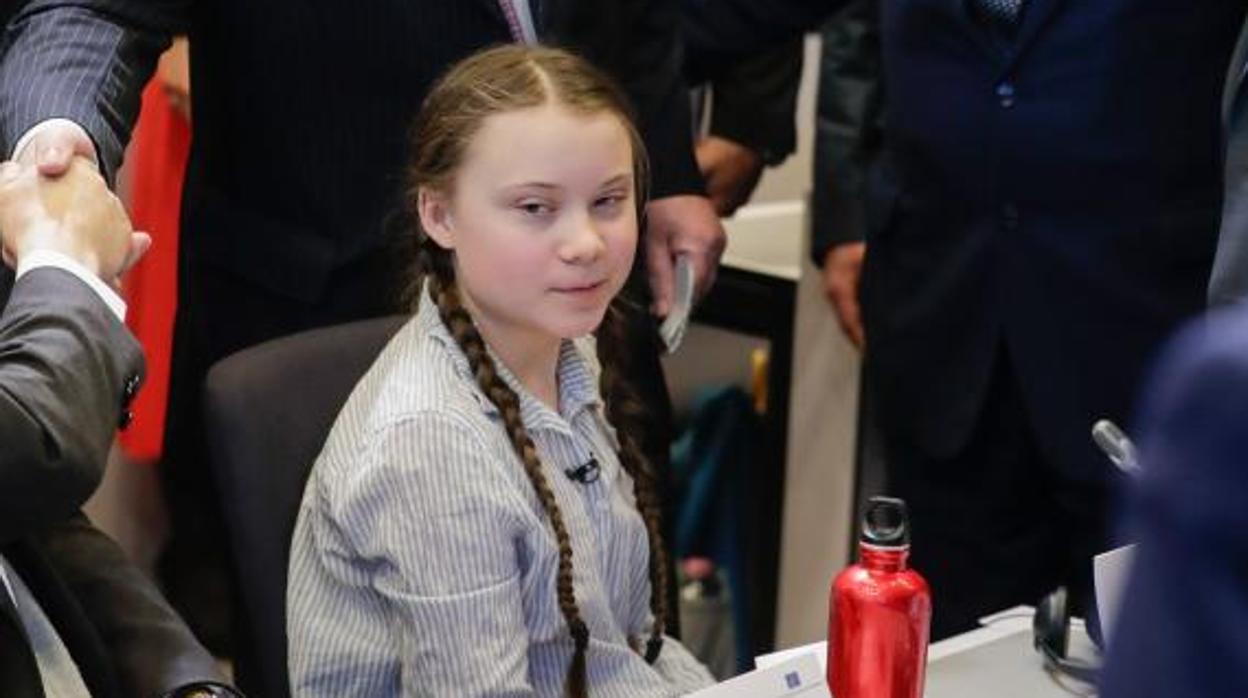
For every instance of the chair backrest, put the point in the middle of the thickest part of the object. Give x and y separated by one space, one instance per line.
268 410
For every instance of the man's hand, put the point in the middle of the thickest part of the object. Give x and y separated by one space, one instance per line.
676 225
842 273
54 147
174 73
731 171
75 215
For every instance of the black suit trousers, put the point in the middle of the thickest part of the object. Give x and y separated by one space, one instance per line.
996 525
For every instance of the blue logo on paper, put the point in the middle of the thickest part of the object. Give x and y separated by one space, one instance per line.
792 680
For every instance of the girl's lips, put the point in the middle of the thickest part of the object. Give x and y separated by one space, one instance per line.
581 288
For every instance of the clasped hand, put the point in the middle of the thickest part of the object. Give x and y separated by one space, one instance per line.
73 214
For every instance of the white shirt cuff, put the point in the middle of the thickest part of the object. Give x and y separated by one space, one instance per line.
48 258
44 125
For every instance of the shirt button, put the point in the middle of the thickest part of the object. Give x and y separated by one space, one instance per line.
1005 95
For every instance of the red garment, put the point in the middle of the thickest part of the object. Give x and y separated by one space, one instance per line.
162 140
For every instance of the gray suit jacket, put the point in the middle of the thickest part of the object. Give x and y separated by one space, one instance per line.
1228 282
68 368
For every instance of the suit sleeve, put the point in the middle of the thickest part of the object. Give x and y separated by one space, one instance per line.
849 131
753 102
65 360
152 650
84 60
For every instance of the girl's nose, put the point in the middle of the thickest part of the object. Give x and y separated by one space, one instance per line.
584 243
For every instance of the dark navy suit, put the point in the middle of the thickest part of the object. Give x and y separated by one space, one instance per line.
1046 214
1183 627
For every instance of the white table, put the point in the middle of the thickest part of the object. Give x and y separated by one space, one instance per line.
994 661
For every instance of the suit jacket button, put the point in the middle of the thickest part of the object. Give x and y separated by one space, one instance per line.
126 418
131 387
1005 94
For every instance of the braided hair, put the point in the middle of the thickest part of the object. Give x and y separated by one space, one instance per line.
495 81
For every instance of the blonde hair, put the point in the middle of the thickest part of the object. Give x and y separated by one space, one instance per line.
496 81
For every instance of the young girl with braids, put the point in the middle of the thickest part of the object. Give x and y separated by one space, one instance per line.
481 522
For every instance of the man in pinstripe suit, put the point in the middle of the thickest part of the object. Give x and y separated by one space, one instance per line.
301 117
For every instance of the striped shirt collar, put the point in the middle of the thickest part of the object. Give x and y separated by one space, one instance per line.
578 385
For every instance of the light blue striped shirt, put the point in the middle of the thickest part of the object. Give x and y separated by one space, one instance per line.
423 564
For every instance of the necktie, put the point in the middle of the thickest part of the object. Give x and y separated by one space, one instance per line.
1002 13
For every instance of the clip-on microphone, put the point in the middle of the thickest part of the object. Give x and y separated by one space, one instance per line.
584 473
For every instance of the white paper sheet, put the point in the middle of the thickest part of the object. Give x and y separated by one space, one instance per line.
1109 579
796 677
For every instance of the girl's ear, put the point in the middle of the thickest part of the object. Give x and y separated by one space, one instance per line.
435 217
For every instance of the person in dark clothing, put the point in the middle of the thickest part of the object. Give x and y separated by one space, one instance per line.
1182 626
1043 216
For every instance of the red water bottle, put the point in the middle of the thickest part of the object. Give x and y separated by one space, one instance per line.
879 613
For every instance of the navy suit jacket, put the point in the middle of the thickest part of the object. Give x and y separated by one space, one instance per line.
1183 627
1057 195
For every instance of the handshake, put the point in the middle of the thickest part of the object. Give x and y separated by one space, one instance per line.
72 214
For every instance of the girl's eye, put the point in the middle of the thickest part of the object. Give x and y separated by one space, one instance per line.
535 208
610 201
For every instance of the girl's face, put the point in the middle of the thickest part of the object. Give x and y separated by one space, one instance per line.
543 223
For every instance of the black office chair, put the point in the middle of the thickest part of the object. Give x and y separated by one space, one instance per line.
268 410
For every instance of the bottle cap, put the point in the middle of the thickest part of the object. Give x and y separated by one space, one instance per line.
885 523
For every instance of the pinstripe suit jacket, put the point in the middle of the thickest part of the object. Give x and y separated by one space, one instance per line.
302 108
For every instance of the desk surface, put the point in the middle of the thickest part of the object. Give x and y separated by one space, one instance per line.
989 662
767 239
999 660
